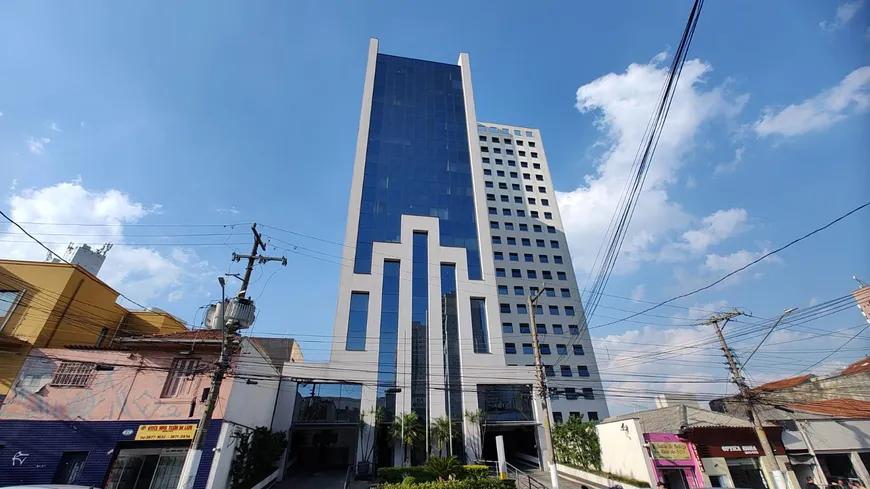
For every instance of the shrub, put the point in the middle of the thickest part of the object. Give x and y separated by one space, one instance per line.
409 481
488 483
395 475
475 472
444 467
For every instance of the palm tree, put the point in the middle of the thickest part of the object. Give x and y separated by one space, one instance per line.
407 429
478 418
442 431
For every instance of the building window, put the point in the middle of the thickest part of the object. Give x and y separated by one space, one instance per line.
485 159
549 371
542 329
493 211
547 275
499 173
357 321
531 274
534 214
529 134
73 374
509 152
536 166
548 215
496 240
557 329
522 309
505 131
562 350
550 292
488 184
527 176
504 198
524 227
543 259
515 257
505 308
521 153
551 229
527 242
502 290
537 228
499 272
515 186
545 349
554 244
587 393
561 275
516 273
582 370
578 350
484 149
529 188
512 241
524 328
540 243
575 414
533 291
498 255
493 130
512 162
502 185
521 213
478 325
495 140
518 200
534 155
507 327
566 292
592 415
545 202
498 151
180 377
493 224
524 164
518 290
7 298
517 132
505 212
487 171
527 349
557 259
554 310
520 142
510 348
566 371
481 128
543 190
530 258
557 416
101 337
490 197
574 329
570 393
509 226
508 141
499 161
569 310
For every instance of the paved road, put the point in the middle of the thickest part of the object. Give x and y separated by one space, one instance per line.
314 480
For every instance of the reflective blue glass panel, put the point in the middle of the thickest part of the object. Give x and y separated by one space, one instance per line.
450 330
420 324
389 337
357 320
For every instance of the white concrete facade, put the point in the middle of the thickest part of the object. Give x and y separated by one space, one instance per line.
491 367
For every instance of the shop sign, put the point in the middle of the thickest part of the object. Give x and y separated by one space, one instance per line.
148 432
734 451
670 451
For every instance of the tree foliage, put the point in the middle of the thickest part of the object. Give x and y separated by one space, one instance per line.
444 468
368 427
407 429
256 456
478 418
576 443
442 431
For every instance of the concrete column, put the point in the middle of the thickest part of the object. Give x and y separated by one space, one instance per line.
859 467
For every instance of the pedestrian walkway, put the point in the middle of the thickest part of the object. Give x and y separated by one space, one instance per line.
333 479
544 478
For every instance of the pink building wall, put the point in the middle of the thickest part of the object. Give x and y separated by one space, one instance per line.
129 392
689 466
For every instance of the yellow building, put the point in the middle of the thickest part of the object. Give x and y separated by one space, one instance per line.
52 305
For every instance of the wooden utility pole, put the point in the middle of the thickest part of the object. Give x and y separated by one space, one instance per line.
545 395
775 475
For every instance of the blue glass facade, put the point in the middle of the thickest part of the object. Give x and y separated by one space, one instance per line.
417 159
357 321
389 337
478 325
450 332
420 324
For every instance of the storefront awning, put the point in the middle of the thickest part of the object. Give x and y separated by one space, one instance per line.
802 460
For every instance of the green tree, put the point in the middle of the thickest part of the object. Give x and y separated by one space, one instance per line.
576 443
442 432
256 456
368 427
408 430
478 418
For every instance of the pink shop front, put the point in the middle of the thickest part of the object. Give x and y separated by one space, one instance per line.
674 460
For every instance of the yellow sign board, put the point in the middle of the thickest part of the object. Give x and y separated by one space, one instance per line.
670 451
148 432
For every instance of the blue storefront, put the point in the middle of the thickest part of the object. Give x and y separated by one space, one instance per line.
86 452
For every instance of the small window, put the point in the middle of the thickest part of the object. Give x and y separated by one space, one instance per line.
522 309
514 174
495 140
540 243
571 395
550 292
588 394
534 155
551 229
481 128
545 202
499 272
515 186
557 416
543 190
502 290
516 273
180 377
527 176
569 310
537 228
498 151
499 173
573 329
592 416
557 329
548 369
542 329
546 275
562 350
527 349
496 240
508 141
539 309
488 184
548 215
566 371
531 274
527 241
505 212
566 292
578 350
543 259
575 414
554 310
531 144
490 197
529 134
518 290
505 131
493 224
519 142
498 255
73 374
507 328
554 244
509 152
524 328
517 132
512 163
534 215
531 200
533 291
524 227
582 370
512 241
482 138
521 213
502 185
561 275
506 308
536 166
557 259
515 257
493 211
529 188
510 348
504 198
498 161
485 159
521 153
545 349
509 226
487 172
524 164
539 178
518 200
484 149
529 258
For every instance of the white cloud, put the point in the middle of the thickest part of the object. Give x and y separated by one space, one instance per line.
53 126
691 182
733 261
142 273
639 292
851 95
623 103
813 301
731 165
232 210
843 15
37 145
715 228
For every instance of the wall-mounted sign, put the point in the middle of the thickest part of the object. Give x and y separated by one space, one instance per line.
127 432
735 451
744 449
165 432
670 451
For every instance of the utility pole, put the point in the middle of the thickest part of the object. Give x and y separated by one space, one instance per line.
545 395
777 478
233 315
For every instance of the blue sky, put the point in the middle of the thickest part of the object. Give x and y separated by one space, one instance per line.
138 118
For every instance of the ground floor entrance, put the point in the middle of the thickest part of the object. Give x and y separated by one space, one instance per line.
148 468
746 472
520 442
677 477
317 448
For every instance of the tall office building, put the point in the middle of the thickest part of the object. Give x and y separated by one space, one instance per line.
452 223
